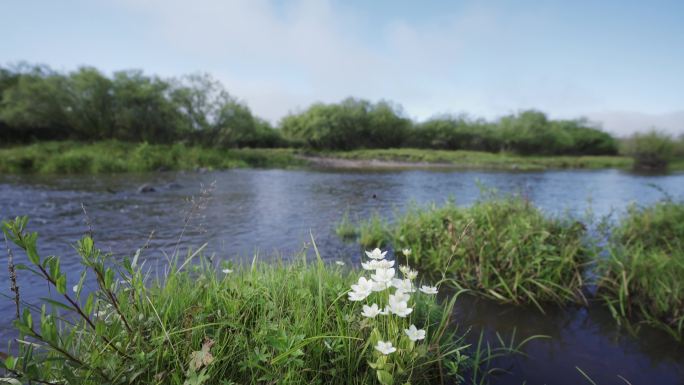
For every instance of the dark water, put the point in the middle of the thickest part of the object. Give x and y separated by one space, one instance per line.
276 212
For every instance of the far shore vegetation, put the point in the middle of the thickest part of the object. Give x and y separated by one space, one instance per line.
92 113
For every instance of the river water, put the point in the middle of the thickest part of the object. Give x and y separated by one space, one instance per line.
274 213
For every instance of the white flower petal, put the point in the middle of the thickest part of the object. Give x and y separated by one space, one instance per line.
414 334
376 254
385 347
429 289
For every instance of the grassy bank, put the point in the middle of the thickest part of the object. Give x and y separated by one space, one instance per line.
68 157
485 160
643 276
504 248
289 323
115 156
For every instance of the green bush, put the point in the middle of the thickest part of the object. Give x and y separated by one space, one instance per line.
351 124
652 150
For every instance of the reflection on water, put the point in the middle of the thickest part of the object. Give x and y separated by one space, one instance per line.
275 211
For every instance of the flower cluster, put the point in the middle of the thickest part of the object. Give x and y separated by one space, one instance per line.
393 303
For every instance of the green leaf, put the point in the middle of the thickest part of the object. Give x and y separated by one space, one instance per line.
385 378
32 253
10 362
57 303
28 320
88 308
61 284
22 266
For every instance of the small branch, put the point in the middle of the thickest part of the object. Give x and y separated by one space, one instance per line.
80 312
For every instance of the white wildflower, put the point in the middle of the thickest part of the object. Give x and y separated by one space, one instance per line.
377 264
380 286
411 274
383 275
406 252
376 254
370 311
414 334
403 285
385 347
339 263
75 288
226 271
399 296
428 289
361 290
398 306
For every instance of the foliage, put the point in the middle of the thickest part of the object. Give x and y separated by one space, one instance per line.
353 123
113 156
652 150
502 248
641 278
40 104
264 323
37 103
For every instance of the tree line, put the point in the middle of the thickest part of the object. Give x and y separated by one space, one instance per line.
38 103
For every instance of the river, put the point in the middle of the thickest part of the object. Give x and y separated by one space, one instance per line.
276 212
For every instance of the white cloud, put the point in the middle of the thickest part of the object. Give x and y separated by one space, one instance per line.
282 56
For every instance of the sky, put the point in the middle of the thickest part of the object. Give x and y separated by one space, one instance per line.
618 63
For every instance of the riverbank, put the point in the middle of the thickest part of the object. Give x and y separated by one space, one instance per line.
69 157
261 323
421 158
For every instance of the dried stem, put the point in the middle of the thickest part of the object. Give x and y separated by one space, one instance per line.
87 219
12 276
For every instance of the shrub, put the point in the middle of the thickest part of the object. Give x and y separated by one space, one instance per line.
651 151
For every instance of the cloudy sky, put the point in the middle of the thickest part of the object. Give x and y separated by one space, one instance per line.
620 63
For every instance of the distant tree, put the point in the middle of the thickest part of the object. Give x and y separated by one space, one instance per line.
352 123
33 106
142 109
88 104
199 98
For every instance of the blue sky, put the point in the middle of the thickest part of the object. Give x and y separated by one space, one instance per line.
620 63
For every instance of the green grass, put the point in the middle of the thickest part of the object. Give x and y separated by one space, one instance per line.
485 160
255 324
114 156
643 275
502 248
70 157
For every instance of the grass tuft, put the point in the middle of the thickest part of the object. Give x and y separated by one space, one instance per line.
642 275
503 248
